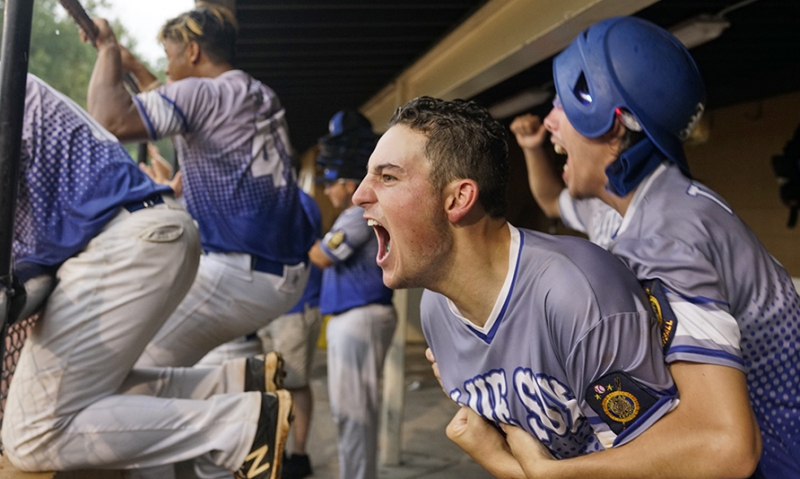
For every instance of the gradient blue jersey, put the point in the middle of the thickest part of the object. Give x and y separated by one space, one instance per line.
570 353
233 146
735 304
313 289
76 176
354 279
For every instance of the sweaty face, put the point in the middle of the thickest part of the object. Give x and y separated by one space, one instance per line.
584 172
408 216
178 64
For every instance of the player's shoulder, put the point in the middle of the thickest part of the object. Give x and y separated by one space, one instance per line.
543 248
570 263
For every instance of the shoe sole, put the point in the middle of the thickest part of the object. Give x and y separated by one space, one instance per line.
273 372
285 418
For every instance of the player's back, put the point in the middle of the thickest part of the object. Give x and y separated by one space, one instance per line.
232 140
720 279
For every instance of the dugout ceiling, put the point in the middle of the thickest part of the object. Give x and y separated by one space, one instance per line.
324 55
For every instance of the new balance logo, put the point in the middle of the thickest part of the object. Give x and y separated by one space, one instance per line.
257 456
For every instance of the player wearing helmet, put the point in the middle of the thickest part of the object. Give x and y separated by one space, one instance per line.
628 95
362 316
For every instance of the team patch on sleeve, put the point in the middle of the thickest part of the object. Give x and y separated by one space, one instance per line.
336 245
667 321
618 400
334 239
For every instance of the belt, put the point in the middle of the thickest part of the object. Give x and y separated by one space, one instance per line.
148 202
266 266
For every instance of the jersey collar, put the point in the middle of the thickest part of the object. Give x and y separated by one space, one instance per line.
489 329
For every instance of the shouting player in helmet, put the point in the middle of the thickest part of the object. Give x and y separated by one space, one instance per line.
628 95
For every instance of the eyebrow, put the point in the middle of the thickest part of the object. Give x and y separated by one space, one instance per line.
386 166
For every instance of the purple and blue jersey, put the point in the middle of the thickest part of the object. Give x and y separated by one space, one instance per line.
232 140
75 178
570 352
734 304
311 293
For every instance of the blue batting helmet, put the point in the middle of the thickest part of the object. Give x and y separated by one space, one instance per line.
631 64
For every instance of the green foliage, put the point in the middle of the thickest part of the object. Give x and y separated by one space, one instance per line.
57 54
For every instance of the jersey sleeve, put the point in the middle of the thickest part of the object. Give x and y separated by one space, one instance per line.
571 215
349 233
173 109
622 381
703 328
611 351
592 217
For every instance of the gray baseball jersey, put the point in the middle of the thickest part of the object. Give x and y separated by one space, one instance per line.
733 303
591 217
570 352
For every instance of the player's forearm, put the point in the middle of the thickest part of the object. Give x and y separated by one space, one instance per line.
502 467
108 101
711 434
318 258
544 183
146 80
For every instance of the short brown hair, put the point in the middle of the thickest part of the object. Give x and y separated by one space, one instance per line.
464 141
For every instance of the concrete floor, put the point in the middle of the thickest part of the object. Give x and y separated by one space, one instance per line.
426 451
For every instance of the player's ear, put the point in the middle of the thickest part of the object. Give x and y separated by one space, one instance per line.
193 52
461 196
616 132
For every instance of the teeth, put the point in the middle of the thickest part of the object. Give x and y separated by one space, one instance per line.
373 223
560 149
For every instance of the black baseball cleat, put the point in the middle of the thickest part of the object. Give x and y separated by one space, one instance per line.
264 373
296 466
265 458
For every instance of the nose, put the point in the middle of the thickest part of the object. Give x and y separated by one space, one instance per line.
364 194
552 120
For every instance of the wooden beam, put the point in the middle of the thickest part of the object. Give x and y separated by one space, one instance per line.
500 40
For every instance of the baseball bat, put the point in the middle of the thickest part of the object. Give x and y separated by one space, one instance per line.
84 21
81 18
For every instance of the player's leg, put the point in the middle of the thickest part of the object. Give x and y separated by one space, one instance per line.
111 299
357 343
295 336
241 347
236 375
227 300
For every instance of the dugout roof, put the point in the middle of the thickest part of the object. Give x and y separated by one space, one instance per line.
324 55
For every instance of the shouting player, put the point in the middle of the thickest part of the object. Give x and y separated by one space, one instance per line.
734 337
551 334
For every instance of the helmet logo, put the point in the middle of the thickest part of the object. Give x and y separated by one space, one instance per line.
699 109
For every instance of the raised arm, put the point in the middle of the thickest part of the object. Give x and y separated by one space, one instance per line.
545 183
711 434
108 101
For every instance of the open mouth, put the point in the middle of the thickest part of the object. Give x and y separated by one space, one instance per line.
384 240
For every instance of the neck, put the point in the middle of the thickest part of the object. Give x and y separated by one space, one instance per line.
619 203
479 268
212 70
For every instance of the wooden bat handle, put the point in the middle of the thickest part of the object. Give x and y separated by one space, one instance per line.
76 11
